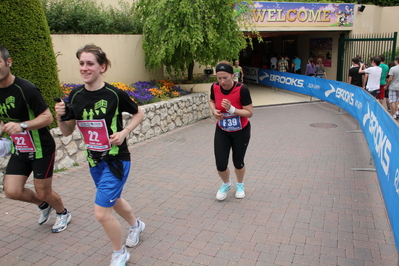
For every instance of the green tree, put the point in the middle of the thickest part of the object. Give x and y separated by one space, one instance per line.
25 33
180 32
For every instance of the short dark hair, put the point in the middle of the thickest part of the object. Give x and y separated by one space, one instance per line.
376 60
397 58
382 56
355 60
4 53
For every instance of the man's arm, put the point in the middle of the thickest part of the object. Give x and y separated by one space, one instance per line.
42 120
366 76
389 81
362 68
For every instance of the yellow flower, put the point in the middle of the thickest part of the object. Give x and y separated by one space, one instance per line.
122 86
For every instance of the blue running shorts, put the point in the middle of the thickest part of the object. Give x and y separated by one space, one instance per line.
109 187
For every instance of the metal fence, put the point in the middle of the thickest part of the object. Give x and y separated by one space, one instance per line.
366 45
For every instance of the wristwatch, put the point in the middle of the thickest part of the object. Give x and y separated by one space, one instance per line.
24 126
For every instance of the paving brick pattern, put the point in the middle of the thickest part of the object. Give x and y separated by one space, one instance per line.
304 204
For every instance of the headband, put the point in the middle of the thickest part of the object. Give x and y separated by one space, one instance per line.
224 67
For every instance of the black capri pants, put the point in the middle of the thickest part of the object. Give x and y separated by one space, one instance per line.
237 141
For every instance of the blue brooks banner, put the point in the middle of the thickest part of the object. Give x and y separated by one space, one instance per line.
379 128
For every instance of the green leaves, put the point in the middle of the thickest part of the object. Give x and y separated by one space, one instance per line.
89 17
24 32
179 32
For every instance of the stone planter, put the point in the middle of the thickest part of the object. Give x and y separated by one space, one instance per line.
160 117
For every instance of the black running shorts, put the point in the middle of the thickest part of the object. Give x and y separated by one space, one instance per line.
41 168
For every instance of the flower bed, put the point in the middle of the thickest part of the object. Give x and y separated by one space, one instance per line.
142 92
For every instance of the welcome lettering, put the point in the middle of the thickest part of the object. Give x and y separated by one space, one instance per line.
292 15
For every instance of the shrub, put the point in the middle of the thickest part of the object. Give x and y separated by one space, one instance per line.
89 17
25 33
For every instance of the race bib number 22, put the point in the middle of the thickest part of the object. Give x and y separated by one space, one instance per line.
23 142
95 134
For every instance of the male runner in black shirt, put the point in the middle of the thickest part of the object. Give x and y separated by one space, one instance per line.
26 118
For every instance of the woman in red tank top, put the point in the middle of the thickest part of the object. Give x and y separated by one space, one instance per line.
231 105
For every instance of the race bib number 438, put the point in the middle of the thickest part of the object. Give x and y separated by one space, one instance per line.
95 134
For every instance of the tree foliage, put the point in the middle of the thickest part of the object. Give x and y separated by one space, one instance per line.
180 32
24 32
364 2
89 17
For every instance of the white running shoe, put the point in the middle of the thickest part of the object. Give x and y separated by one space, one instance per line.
61 222
120 259
45 215
222 192
240 193
133 238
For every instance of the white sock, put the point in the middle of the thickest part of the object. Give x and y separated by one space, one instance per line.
228 183
121 251
135 225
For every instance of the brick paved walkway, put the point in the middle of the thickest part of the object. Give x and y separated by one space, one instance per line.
304 205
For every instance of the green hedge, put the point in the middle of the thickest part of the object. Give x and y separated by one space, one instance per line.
89 17
25 33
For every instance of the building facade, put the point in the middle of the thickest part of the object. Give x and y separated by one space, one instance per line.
308 29
313 30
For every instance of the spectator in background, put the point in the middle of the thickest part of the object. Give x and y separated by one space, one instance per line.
363 66
390 65
372 76
296 64
282 64
393 86
310 68
273 62
360 59
383 79
320 71
355 78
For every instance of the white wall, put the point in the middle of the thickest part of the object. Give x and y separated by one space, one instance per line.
124 51
376 19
